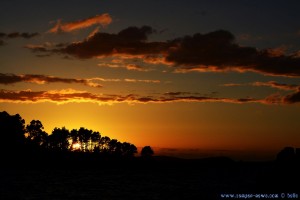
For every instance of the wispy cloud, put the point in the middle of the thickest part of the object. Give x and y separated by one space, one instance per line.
276 98
70 95
8 79
43 79
132 67
276 85
67 96
141 80
103 20
272 84
18 35
13 35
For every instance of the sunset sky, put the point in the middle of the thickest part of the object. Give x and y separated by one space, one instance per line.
181 76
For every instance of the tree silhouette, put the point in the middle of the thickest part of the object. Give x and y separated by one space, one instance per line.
128 149
104 143
59 139
12 132
113 146
84 136
74 139
286 155
15 137
95 138
147 152
35 133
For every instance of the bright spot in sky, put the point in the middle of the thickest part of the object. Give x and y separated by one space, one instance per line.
76 146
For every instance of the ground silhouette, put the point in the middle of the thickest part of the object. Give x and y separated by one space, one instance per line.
83 164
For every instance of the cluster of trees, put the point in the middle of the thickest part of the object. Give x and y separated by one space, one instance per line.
16 135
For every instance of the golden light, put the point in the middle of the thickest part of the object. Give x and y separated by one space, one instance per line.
76 146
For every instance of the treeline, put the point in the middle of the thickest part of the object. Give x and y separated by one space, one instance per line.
16 136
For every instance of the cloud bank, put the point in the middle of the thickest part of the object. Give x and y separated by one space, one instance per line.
68 96
216 51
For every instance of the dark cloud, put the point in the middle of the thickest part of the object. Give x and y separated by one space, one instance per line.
130 41
292 98
42 79
13 96
217 51
2 35
18 35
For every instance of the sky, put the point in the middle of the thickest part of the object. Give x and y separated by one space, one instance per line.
188 78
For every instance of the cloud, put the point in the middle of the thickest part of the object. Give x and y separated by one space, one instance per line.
18 35
217 51
103 20
105 79
67 96
292 98
70 95
7 79
276 98
141 81
136 68
132 67
96 30
273 84
179 93
131 41
232 84
38 48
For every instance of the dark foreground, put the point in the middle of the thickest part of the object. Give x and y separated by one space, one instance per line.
137 179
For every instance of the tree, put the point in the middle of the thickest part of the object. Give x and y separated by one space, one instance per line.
95 138
59 139
112 145
35 133
286 155
84 136
12 132
128 149
75 139
104 143
147 152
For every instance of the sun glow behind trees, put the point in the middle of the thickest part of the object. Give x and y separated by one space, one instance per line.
61 139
